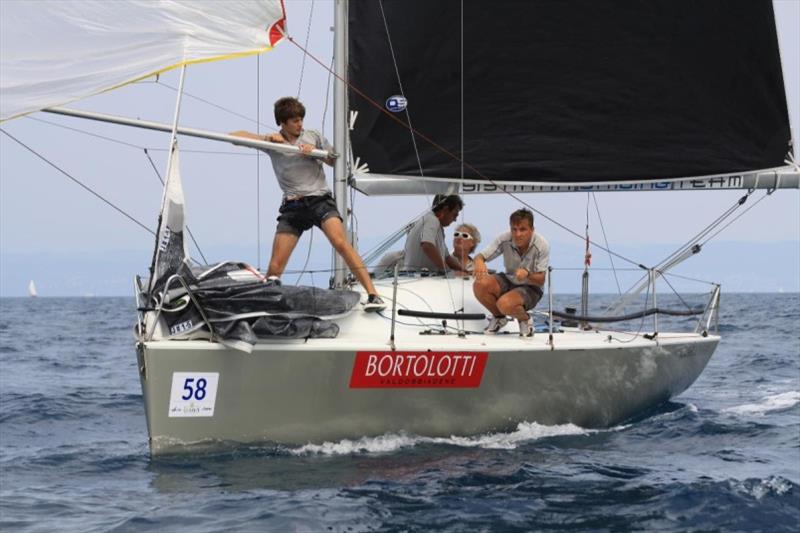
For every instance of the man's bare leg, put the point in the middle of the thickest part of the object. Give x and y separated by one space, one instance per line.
334 231
282 247
487 291
512 304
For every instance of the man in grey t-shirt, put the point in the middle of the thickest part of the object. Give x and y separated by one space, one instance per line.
526 258
307 201
425 247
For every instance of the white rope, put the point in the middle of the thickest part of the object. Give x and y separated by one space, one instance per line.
258 163
608 246
303 64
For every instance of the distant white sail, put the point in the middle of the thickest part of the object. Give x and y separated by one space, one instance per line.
32 289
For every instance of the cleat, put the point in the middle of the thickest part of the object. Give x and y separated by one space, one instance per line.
374 304
496 323
525 328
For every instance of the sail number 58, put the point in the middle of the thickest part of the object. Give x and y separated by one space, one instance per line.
199 390
193 394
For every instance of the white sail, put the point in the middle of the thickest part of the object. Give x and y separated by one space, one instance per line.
32 289
53 52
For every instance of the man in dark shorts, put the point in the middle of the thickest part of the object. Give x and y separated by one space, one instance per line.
526 256
307 201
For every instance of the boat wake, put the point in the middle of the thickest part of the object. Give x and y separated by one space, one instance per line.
525 432
775 402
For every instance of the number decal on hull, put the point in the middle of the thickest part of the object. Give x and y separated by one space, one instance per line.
193 394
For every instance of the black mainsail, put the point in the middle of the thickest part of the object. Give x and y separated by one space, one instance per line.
578 91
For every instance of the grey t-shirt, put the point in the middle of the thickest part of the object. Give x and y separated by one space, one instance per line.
298 174
426 229
535 259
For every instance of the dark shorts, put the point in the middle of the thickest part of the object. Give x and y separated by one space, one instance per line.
296 216
531 294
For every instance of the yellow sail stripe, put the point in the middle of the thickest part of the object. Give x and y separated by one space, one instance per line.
160 71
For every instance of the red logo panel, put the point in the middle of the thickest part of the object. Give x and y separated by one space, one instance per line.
415 370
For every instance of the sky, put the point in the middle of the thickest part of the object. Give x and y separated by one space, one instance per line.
53 231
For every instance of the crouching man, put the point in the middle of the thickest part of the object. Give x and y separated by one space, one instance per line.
526 255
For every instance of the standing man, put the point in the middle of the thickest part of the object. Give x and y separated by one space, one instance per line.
526 256
425 246
307 201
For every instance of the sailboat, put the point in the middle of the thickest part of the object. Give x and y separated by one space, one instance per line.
32 289
506 98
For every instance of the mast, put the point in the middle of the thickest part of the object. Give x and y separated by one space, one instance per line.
340 130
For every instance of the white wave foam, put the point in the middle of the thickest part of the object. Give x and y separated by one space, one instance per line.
382 444
775 402
525 432
763 487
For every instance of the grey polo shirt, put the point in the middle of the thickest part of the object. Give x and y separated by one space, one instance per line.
426 229
298 174
535 259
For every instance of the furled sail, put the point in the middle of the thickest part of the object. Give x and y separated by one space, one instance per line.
579 92
54 52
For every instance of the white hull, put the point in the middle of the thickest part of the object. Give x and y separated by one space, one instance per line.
297 391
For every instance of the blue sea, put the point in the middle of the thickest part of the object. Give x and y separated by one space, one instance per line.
723 456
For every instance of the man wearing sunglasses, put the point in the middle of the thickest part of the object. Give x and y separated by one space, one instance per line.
526 256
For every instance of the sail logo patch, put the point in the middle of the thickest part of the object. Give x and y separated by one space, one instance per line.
415 370
396 103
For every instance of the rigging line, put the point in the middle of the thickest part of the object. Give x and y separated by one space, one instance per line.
411 129
215 152
453 156
605 239
702 233
212 104
258 163
688 278
85 132
324 117
402 91
463 285
117 141
751 206
189 231
37 154
308 257
587 256
462 89
694 240
676 293
641 322
574 269
327 97
303 63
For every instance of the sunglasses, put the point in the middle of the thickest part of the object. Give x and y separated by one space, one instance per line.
462 235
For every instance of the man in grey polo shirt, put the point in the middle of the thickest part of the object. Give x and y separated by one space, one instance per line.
526 256
307 201
425 247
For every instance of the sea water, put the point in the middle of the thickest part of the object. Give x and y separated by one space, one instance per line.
724 455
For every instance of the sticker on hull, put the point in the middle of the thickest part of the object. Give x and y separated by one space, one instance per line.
409 370
193 394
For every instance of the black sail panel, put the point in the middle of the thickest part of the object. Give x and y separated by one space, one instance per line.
568 90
